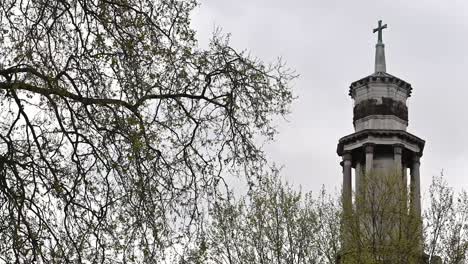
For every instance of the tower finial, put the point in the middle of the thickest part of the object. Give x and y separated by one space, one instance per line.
379 29
380 52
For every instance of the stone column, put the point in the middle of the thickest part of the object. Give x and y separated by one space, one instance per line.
415 209
357 177
347 202
405 175
415 186
347 188
400 190
405 186
397 152
369 149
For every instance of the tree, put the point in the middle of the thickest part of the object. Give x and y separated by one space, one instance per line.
277 224
382 228
117 130
272 224
446 223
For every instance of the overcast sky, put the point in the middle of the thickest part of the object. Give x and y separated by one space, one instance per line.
330 44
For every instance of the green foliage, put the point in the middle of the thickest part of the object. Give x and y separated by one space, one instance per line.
446 223
276 224
117 130
382 227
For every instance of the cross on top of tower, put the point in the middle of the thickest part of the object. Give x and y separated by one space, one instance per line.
379 52
379 29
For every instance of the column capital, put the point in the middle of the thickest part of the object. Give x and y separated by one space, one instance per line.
347 156
369 147
398 148
416 158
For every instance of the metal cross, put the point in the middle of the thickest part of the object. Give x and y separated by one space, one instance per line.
379 29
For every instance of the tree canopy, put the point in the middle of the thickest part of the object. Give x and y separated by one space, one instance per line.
117 131
277 224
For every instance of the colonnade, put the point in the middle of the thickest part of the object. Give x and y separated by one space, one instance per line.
415 184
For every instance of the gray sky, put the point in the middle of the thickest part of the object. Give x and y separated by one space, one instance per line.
330 44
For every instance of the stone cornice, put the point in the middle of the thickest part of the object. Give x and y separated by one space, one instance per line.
380 77
380 133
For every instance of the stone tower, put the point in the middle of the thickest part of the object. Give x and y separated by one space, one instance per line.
380 143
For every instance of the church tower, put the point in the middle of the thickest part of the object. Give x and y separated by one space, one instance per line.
380 144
